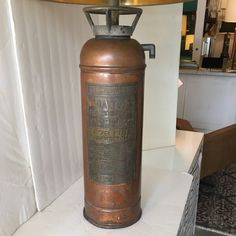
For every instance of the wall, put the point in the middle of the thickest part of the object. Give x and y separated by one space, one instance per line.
160 25
17 200
49 38
207 99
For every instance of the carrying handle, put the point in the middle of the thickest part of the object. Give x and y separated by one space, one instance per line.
112 15
151 48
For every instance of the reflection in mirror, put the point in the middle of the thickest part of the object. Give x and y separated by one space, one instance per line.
219 31
188 29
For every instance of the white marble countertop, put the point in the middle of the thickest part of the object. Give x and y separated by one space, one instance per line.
164 194
209 72
178 157
165 188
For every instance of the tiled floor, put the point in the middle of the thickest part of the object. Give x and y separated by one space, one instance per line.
217 201
201 232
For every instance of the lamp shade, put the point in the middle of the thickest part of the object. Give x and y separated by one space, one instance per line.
230 14
121 2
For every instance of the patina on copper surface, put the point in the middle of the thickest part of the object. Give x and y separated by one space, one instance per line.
112 118
112 79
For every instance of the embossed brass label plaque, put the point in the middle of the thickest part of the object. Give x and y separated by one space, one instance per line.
112 128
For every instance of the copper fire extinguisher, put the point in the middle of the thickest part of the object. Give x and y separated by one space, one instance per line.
112 84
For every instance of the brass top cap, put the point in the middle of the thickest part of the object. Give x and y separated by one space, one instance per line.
120 2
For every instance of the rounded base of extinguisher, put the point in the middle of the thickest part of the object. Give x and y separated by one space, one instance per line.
113 224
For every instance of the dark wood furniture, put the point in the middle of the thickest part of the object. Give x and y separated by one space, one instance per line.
219 147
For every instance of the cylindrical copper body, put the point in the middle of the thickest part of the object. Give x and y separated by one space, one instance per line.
112 83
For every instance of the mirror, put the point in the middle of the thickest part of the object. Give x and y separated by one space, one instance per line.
188 30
